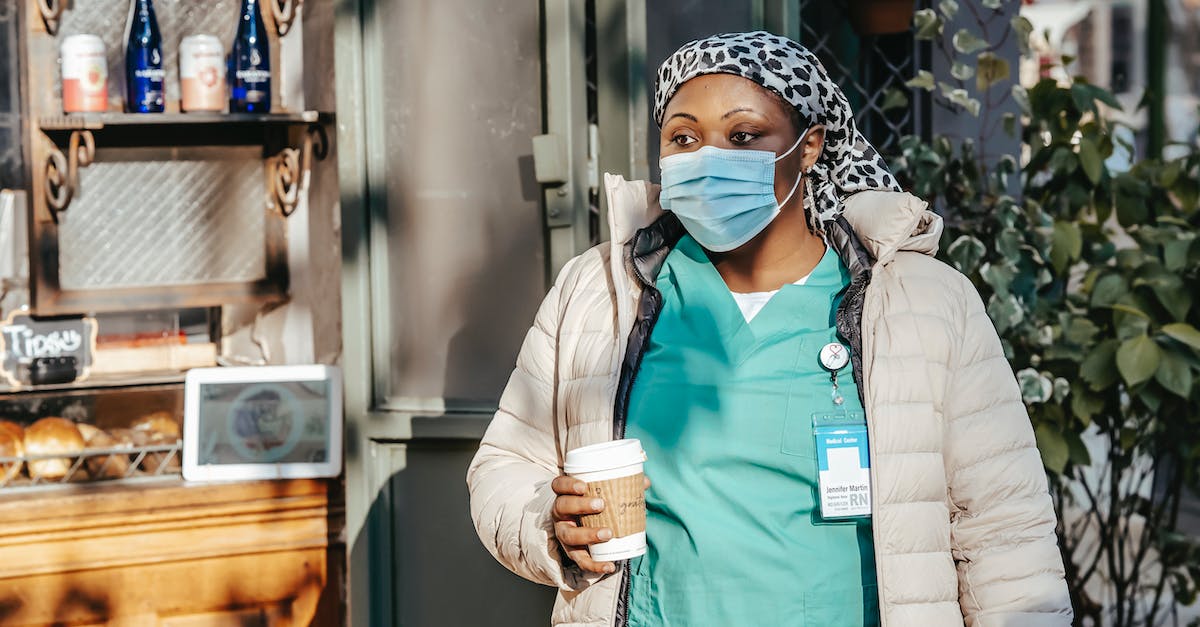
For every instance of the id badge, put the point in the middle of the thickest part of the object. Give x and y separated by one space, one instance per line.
843 464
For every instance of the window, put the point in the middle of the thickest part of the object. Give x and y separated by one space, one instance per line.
867 68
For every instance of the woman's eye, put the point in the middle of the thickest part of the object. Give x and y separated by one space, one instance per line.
683 140
742 137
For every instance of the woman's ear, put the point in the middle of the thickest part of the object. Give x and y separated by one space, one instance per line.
811 148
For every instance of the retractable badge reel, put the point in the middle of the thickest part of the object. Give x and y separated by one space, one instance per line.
834 357
843 460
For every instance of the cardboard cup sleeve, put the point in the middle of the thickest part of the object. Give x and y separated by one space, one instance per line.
624 505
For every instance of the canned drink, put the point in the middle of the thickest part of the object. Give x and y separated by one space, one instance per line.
84 74
202 73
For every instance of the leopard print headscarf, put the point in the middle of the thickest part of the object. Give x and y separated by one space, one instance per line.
848 163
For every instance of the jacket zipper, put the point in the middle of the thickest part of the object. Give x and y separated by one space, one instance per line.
874 479
620 418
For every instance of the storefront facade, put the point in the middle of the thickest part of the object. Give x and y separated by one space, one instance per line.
134 247
425 170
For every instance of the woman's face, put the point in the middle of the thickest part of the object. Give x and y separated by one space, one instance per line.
728 111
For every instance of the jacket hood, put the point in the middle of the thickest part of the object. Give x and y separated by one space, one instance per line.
885 222
632 206
889 222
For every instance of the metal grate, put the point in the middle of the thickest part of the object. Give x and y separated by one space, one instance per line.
146 218
120 462
867 68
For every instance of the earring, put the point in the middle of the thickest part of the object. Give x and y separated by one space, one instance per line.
810 202
810 206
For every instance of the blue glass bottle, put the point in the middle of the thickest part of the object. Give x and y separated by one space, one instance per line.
250 61
143 61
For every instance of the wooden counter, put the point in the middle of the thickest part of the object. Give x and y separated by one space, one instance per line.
166 553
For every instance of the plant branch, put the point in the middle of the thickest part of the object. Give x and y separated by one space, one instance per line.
1103 533
1113 549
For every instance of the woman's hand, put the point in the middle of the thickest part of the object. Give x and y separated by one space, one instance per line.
573 502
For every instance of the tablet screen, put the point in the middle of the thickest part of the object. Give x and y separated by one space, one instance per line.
265 422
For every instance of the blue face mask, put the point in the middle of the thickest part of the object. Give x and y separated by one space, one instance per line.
723 197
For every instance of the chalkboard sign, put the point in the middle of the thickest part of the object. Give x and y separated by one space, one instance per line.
24 339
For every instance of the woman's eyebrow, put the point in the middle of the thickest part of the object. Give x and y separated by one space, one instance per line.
684 115
737 110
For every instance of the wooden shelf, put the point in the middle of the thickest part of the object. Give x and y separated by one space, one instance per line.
98 383
97 121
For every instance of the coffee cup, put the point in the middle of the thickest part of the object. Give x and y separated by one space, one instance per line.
613 472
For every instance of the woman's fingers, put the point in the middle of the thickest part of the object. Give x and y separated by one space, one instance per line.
571 534
570 485
584 559
572 500
571 503
563 484
574 540
569 507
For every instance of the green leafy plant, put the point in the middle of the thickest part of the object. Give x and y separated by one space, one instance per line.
975 66
1090 278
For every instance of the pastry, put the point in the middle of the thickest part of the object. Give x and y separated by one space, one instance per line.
12 444
158 422
106 466
168 461
88 431
50 436
8 426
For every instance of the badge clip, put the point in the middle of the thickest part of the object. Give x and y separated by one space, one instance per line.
834 357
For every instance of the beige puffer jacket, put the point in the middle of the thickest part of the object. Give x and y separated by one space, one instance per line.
963 523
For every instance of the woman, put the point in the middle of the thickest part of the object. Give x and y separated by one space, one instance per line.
714 332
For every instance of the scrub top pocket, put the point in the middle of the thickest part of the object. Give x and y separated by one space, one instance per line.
797 438
810 393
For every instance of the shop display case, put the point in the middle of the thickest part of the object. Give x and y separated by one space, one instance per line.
117 535
72 436
144 245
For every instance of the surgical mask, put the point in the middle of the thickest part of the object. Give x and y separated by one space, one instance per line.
723 197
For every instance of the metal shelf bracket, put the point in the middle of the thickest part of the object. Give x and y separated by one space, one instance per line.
62 171
290 169
51 11
283 12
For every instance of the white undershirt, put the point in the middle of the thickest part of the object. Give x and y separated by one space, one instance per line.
752 302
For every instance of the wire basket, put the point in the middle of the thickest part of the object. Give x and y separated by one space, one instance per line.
98 464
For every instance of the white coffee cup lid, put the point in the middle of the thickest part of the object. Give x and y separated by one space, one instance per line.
603 456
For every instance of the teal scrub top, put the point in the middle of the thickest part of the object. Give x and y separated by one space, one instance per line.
724 410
